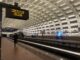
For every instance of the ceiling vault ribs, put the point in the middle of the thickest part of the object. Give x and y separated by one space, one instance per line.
44 10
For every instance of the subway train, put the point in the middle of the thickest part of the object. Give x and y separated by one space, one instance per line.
10 34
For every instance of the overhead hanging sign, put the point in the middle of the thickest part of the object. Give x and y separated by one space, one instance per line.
17 13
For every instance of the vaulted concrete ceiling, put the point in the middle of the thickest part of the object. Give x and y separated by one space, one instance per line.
44 10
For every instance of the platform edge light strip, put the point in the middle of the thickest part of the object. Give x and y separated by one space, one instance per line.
55 48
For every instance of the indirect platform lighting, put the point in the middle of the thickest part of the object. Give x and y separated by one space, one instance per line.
61 59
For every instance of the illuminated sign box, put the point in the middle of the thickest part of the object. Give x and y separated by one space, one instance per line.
17 13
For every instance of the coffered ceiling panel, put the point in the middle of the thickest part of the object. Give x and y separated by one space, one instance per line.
44 10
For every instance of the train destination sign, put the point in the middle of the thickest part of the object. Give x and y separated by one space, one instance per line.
17 13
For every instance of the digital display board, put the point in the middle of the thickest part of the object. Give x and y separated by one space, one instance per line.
17 13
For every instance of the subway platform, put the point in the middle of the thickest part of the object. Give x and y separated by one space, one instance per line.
9 52
23 52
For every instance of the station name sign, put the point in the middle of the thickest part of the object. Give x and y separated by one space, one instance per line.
17 13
